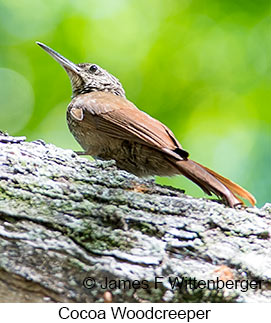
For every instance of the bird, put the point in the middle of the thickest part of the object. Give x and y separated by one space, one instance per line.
108 126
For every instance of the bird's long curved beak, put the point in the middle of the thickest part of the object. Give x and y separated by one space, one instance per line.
68 65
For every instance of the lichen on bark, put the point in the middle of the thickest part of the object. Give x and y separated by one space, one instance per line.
64 218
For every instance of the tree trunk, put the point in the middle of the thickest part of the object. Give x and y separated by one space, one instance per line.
67 223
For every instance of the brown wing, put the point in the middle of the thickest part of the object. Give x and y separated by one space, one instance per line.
117 117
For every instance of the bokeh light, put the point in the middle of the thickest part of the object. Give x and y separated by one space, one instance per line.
16 102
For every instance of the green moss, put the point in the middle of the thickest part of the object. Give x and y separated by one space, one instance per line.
92 238
152 294
146 228
3 194
76 263
203 295
228 233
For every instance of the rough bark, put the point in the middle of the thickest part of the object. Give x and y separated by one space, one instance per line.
64 218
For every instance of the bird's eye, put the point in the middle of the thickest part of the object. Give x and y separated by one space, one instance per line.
93 68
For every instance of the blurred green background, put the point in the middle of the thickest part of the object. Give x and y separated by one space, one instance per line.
201 67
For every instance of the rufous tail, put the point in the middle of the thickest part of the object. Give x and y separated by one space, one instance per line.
211 182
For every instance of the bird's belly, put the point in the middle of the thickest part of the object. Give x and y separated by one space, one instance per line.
137 159
131 156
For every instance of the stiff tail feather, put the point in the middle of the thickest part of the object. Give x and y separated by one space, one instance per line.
211 182
233 187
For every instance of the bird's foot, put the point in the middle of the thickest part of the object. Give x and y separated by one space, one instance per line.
81 153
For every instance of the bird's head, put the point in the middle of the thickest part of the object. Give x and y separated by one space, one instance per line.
86 77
